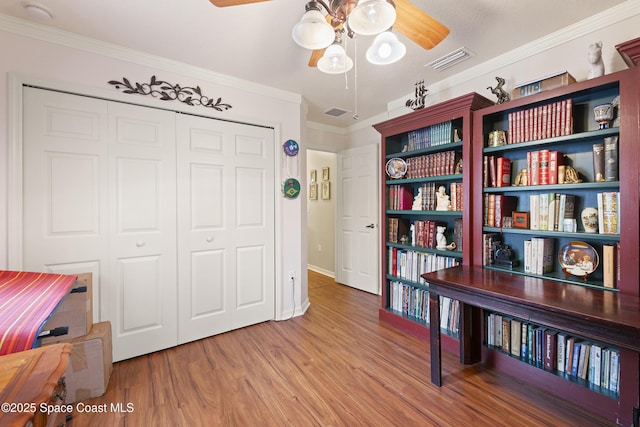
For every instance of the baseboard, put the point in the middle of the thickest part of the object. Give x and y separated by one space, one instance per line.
321 271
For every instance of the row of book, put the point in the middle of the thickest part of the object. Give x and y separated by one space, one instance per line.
539 255
436 164
421 233
605 160
555 351
399 197
414 302
430 136
548 212
411 265
544 167
544 121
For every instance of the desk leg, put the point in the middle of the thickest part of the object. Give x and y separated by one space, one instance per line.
434 339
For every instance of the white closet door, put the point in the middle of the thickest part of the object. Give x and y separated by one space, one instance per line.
226 202
65 188
142 230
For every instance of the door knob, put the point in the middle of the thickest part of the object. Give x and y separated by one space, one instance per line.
371 226
140 243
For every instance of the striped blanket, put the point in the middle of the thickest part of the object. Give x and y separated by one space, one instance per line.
26 302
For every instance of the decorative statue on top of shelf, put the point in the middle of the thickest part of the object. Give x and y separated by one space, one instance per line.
442 199
417 201
502 95
521 178
596 64
421 93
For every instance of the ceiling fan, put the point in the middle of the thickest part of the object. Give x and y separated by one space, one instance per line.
323 34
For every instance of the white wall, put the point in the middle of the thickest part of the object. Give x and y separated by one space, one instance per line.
52 58
321 215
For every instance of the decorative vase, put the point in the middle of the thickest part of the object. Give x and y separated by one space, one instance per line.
603 114
589 218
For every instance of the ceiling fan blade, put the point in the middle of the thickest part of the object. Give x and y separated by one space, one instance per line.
225 3
315 57
417 25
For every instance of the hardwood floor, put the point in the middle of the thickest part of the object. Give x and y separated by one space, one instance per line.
335 366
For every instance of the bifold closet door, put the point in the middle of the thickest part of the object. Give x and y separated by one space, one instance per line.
142 230
99 197
226 201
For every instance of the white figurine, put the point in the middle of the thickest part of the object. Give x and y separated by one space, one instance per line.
417 201
441 240
596 64
442 200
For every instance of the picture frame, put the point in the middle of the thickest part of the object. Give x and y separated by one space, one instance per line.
325 173
314 176
520 219
313 191
325 190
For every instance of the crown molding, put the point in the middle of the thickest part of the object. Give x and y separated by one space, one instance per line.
64 38
582 28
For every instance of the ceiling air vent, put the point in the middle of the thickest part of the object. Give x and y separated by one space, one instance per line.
451 59
336 112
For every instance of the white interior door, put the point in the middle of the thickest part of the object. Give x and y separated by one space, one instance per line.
226 226
142 230
357 231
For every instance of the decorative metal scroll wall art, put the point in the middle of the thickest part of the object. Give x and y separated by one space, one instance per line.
170 92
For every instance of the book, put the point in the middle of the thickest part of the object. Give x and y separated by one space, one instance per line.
614 371
583 363
457 233
506 334
561 351
543 250
611 158
524 343
556 160
545 83
550 348
516 337
503 172
609 213
504 207
543 167
527 256
609 265
598 162
534 212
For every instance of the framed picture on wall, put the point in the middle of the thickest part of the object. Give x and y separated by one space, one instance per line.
325 173
313 191
314 175
325 190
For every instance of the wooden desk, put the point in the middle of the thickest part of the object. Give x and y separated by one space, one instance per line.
603 316
29 379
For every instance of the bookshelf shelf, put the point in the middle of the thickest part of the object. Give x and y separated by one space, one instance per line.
430 142
565 188
427 150
556 141
555 234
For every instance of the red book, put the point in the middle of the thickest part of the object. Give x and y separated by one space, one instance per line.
503 172
504 207
492 171
543 167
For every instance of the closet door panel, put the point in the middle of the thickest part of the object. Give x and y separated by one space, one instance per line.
65 186
142 215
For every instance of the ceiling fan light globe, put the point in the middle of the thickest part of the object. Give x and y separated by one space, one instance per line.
335 60
313 31
371 17
386 49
